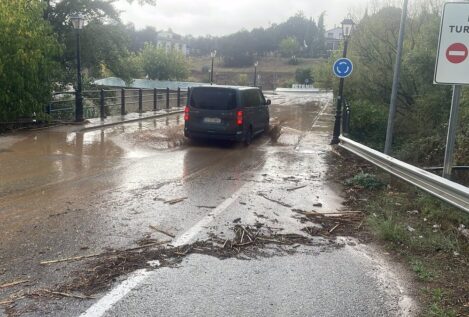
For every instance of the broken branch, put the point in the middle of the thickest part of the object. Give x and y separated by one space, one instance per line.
161 231
273 200
77 258
296 188
68 295
175 201
11 284
332 230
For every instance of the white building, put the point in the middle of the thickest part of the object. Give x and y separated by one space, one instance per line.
171 42
333 39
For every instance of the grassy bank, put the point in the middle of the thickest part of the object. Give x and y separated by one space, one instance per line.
429 236
273 71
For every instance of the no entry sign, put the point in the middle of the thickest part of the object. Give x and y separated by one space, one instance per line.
456 53
452 65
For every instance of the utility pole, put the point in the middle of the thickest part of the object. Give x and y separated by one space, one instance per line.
395 84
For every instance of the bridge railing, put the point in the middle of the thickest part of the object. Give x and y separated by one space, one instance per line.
108 102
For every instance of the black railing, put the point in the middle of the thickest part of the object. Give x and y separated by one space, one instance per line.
103 103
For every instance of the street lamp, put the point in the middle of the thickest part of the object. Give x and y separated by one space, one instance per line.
347 29
212 54
78 23
255 73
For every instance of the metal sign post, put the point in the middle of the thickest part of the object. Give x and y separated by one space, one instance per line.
342 68
451 67
452 127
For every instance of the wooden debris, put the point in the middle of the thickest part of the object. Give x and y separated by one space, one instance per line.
68 294
146 246
11 284
307 213
6 302
207 207
273 200
77 258
332 230
175 201
161 231
296 188
360 225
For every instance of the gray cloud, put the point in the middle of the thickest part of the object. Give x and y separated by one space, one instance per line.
219 17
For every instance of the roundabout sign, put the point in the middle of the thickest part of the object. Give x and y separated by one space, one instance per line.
343 67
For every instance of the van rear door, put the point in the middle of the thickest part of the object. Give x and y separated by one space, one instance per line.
213 110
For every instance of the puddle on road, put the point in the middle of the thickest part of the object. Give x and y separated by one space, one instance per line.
160 139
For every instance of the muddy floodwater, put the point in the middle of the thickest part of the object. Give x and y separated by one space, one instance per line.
66 194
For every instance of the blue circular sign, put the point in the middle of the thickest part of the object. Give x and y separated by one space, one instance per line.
343 67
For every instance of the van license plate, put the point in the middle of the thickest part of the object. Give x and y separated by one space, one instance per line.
212 120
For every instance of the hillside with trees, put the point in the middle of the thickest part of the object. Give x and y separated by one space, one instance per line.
298 36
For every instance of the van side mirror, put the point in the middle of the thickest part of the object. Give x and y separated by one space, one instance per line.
268 102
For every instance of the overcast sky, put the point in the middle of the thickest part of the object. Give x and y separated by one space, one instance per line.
220 17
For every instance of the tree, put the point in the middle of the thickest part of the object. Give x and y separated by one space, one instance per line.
27 52
289 46
162 65
105 40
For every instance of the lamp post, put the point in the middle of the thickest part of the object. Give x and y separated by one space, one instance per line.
213 54
78 23
255 73
347 29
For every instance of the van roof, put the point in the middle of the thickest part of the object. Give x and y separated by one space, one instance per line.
227 87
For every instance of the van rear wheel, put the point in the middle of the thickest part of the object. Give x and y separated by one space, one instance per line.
248 137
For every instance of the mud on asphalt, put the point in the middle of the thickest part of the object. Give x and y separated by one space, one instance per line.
93 273
100 271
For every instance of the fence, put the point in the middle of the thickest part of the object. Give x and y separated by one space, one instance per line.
103 103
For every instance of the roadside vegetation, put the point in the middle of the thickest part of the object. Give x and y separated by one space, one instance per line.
429 236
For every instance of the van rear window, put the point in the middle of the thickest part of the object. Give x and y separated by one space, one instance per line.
213 98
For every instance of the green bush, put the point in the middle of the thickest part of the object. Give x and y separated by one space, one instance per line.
368 123
303 75
366 181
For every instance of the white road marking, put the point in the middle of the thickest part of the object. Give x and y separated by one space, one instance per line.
119 292
137 278
192 232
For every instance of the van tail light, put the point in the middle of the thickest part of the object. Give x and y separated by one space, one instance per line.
239 118
186 113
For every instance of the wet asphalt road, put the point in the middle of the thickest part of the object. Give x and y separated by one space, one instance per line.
66 194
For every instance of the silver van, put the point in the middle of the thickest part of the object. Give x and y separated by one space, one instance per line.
226 113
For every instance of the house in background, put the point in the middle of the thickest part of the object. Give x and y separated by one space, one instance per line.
171 41
333 38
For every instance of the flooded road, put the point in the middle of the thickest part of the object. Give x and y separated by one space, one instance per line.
69 194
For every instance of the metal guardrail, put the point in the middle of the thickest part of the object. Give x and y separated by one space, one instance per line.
451 192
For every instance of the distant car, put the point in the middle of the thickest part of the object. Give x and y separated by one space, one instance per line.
226 113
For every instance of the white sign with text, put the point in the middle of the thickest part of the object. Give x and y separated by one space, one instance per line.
452 64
